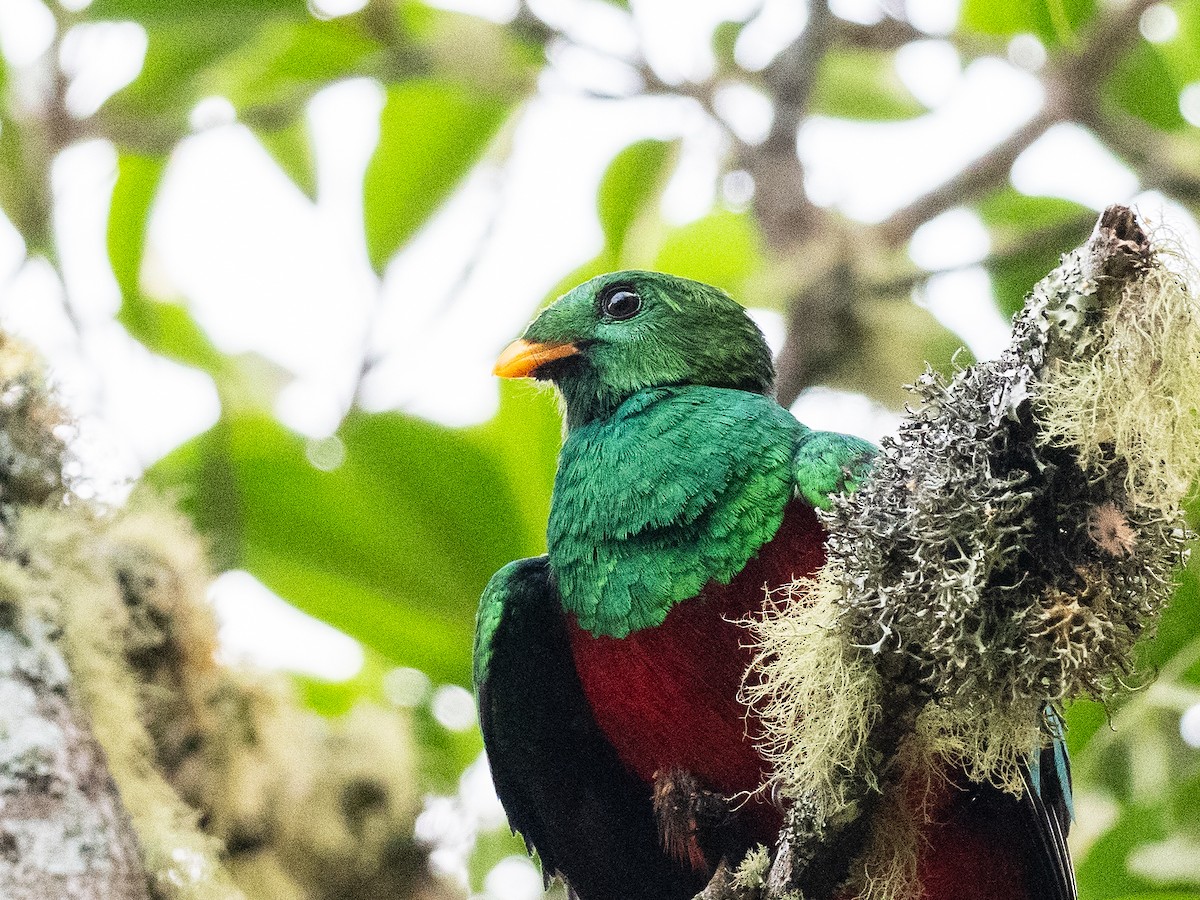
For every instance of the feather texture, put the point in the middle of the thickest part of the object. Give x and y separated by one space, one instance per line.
684 496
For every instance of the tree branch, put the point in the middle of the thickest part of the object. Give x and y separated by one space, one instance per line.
1004 555
65 832
1059 235
1070 91
780 203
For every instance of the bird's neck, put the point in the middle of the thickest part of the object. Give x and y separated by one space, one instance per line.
586 400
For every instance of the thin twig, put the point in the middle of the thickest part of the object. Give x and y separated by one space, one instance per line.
1059 235
1070 91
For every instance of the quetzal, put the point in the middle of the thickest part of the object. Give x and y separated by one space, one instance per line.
607 672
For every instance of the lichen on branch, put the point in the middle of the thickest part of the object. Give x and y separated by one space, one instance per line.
1015 540
127 717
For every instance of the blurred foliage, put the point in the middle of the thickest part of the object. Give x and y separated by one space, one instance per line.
389 528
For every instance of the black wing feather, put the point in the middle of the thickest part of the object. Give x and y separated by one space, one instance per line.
1034 825
1047 814
560 781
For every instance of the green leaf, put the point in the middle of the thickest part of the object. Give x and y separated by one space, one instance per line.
137 183
1085 718
1178 629
491 847
1102 873
1179 52
393 547
1143 85
524 437
287 61
860 84
291 147
431 134
1011 218
723 249
24 197
1015 275
201 476
724 43
329 698
156 11
444 753
165 328
1184 803
630 189
1161 895
184 42
896 341
1055 22
167 87
1009 209
336 698
169 330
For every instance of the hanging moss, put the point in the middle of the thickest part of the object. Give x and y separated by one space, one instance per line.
1014 542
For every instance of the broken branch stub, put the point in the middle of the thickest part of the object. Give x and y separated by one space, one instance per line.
1016 538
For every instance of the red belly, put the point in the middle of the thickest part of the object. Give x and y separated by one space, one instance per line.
666 697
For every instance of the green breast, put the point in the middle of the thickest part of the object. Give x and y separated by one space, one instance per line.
679 487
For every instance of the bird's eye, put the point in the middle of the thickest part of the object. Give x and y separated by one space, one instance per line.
621 303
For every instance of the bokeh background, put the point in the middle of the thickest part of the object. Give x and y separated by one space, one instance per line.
271 250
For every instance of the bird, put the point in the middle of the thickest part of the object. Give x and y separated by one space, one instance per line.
607 671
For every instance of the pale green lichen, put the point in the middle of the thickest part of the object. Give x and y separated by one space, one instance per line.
816 697
751 873
33 432
295 806
64 553
1133 404
1014 541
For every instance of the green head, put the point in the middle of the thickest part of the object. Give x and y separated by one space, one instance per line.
624 332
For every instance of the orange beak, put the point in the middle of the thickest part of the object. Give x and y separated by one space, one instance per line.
521 358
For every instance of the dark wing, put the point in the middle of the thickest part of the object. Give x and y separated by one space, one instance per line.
1046 804
561 783
1033 827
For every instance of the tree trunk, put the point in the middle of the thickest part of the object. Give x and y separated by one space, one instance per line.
63 829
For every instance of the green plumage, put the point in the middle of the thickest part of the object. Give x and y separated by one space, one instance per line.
677 463
675 473
830 463
632 532
491 609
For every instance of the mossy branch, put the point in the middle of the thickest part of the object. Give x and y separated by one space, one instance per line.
1015 540
202 781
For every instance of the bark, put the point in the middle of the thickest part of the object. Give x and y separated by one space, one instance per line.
63 829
